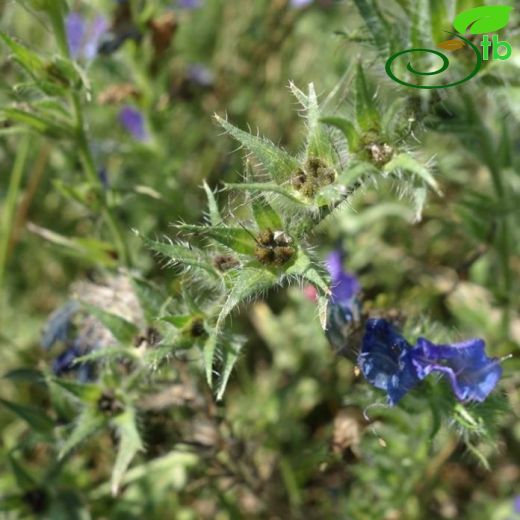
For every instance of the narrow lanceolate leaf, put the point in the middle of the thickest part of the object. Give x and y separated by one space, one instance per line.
129 444
261 187
178 254
366 113
318 141
276 162
122 330
87 423
85 392
208 351
347 128
407 163
231 353
238 239
47 124
36 418
214 213
24 480
247 283
265 216
375 24
149 296
27 58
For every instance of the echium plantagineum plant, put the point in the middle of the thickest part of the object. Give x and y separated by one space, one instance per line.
269 245
243 250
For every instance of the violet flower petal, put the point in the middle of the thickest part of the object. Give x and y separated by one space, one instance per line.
96 31
471 373
299 4
75 29
344 285
133 122
343 307
200 75
190 4
385 360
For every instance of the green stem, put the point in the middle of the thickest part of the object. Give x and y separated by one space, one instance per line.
10 202
91 173
55 11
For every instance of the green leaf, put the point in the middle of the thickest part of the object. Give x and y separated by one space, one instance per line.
123 331
46 124
231 353
177 321
85 392
214 213
261 187
376 24
484 19
179 254
88 422
27 58
246 283
366 113
277 163
36 418
347 128
88 249
208 351
238 239
315 273
24 480
150 298
406 162
29 375
318 141
265 216
129 444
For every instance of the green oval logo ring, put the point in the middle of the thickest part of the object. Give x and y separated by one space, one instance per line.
445 65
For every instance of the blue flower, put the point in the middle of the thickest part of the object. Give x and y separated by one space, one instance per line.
84 37
343 309
65 361
133 122
390 363
471 373
59 324
385 360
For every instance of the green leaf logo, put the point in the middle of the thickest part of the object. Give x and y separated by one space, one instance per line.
483 19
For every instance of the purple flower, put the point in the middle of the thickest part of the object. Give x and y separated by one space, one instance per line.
189 4
471 373
298 4
516 504
84 37
385 360
343 309
200 75
344 285
133 122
